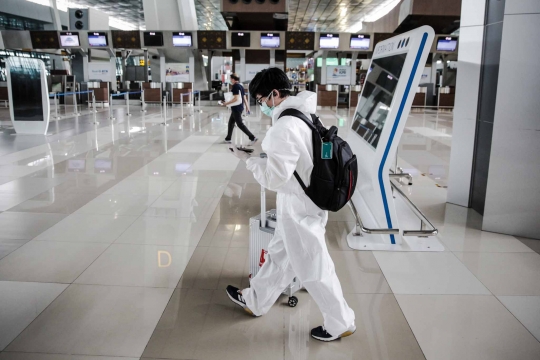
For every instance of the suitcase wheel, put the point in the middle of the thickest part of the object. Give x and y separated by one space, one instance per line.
293 301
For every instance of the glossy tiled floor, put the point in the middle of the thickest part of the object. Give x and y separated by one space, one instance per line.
118 240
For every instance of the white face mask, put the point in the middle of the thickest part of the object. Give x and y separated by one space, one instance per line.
269 110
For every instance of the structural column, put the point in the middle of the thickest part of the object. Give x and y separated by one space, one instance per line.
471 39
512 200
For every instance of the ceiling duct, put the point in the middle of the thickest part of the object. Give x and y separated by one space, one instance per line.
255 14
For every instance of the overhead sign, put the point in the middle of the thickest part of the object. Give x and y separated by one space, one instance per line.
177 72
101 70
340 75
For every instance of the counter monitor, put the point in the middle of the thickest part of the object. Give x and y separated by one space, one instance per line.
270 40
360 41
153 38
447 43
182 39
97 39
329 41
241 39
69 39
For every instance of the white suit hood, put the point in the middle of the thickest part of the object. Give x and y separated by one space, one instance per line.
305 101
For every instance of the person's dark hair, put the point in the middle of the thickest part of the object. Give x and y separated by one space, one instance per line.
235 77
267 80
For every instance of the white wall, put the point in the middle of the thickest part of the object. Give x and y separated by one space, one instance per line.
466 104
513 196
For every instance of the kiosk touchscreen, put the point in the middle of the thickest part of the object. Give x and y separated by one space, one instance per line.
28 97
376 129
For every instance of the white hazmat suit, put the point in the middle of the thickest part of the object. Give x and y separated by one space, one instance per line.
298 248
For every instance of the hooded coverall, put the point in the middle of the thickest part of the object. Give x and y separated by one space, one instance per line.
298 248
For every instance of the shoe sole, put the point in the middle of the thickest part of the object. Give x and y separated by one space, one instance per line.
246 309
345 334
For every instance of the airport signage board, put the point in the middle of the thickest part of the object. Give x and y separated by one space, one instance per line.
340 75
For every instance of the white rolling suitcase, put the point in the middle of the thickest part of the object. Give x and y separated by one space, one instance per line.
261 231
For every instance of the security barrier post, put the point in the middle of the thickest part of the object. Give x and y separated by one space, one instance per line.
200 111
111 114
126 96
143 104
56 106
182 106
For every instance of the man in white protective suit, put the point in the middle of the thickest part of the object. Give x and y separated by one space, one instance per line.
298 248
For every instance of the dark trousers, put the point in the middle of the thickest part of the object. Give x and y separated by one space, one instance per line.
236 118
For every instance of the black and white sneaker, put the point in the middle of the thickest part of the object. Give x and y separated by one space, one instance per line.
227 141
237 298
321 334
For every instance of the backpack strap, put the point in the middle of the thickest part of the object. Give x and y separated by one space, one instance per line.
311 123
298 114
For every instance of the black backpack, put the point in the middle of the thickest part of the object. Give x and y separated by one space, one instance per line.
333 181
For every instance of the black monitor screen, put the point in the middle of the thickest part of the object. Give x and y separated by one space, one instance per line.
360 42
153 38
240 39
329 41
269 40
97 39
69 39
182 39
26 89
447 43
377 95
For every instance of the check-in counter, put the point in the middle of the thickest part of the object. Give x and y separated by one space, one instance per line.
152 92
327 95
447 96
355 92
101 91
178 88
420 98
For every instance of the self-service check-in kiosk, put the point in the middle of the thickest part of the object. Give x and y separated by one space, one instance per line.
28 96
386 218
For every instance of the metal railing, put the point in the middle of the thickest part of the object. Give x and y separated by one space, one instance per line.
56 95
424 221
126 97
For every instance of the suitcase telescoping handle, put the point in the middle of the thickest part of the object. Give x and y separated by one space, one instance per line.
263 200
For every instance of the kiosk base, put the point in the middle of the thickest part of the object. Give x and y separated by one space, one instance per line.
368 242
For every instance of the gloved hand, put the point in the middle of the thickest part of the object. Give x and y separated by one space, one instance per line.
242 155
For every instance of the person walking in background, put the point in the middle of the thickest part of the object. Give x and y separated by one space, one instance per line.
236 111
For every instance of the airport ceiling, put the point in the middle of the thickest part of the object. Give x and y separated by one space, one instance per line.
209 15
329 15
304 15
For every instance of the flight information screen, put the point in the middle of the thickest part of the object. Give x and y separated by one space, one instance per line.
97 39
376 100
360 42
329 41
240 39
447 43
153 38
181 39
270 40
69 39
